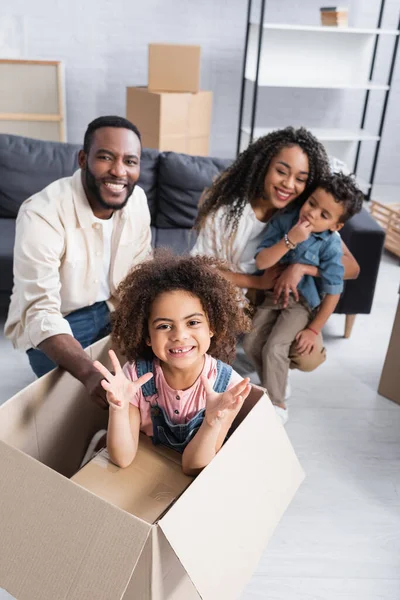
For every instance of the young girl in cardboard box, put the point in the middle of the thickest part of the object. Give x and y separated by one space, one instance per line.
177 320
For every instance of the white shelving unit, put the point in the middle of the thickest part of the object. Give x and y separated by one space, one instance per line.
296 56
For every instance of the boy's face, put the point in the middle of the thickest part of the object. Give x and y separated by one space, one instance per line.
322 212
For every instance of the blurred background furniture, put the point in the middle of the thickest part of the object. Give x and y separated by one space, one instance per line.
32 99
281 55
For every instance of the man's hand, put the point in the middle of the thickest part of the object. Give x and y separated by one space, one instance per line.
305 341
287 283
220 406
96 392
67 352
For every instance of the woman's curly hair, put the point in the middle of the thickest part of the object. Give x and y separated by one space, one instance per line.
197 275
243 181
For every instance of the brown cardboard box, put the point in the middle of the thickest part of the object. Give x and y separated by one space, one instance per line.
179 122
174 68
389 385
147 532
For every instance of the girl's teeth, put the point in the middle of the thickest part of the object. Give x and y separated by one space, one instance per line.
180 351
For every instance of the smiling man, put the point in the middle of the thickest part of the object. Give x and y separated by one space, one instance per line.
75 241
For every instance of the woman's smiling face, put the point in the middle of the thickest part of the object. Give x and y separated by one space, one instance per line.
286 177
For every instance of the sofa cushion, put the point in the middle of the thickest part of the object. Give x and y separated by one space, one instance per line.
27 166
182 178
7 239
364 238
181 241
148 178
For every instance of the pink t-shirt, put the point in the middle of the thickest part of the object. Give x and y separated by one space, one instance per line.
180 405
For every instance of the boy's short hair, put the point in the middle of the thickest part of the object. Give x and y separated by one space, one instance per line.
345 191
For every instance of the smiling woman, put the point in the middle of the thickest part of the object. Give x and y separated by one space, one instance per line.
282 167
274 171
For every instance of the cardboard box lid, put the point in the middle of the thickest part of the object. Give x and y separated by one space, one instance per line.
174 68
242 501
52 420
58 541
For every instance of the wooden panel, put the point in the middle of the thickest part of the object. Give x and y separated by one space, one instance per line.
28 88
38 130
388 217
31 97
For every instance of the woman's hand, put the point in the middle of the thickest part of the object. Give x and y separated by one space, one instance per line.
305 341
226 405
119 389
287 283
268 279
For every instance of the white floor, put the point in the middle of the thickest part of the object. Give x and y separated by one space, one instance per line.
340 538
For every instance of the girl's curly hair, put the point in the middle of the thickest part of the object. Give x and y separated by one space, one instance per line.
243 181
197 275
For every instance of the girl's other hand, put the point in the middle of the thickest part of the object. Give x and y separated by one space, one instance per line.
222 405
305 341
287 283
119 389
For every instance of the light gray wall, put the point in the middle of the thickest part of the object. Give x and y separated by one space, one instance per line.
103 44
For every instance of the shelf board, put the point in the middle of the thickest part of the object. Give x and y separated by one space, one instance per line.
30 117
327 29
320 85
324 134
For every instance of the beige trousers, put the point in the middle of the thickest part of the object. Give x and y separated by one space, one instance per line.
271 344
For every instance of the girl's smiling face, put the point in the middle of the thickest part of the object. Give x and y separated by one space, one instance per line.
179 331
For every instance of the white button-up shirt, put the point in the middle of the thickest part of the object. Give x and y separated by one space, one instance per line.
58 258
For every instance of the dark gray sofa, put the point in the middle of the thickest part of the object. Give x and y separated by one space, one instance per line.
173 184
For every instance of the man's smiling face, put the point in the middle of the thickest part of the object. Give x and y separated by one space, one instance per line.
111 168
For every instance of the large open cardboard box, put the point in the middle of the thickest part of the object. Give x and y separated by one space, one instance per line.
178 122
192 539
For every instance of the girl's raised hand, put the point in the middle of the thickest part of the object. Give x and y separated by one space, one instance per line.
119 388
220 406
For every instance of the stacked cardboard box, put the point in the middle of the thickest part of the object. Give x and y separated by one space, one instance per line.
172 113
334 16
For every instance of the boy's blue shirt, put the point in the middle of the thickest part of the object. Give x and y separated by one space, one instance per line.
322 250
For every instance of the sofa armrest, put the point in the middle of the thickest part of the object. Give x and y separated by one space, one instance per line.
364 238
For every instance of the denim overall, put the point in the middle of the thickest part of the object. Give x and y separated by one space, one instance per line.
176 436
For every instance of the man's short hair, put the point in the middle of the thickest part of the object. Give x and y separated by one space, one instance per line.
345 191
109 121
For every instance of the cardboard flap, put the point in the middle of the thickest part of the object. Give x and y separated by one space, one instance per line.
53 419
59 541
220 526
